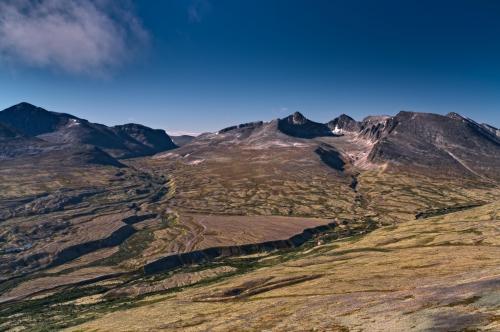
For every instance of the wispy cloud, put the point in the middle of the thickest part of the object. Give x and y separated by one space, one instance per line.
78 36
197 10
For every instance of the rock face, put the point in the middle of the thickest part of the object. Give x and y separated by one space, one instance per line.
343 123
245 126
173 261
298 126
428 143
374 127
437 144
130 140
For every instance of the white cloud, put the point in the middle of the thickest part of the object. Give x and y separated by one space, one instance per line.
78 36
197 10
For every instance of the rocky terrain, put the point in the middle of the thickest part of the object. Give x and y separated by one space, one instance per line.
389 223
124 141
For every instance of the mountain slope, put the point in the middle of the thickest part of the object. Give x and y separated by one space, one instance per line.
6 132
125 141
298 126
147 140
436 274
343 123
32 120
438 144
491 129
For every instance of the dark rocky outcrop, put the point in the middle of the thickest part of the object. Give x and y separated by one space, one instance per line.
204 255
248 125
73 252
227 129
42 259
446 210
139 218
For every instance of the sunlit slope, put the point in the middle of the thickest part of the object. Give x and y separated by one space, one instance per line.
440 273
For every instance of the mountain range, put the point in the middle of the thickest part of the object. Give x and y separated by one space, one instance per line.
424 142
61 129
99 219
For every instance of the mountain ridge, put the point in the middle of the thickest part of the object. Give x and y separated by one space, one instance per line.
423 142
121 141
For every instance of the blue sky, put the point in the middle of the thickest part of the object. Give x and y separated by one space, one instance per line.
201 65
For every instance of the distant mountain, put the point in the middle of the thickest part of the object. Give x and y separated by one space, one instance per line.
298 126
181 140
343 123
437 144
32 120
130 140
443 145
147 140
413 142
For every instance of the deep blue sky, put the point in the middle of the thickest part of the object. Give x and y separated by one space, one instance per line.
209 64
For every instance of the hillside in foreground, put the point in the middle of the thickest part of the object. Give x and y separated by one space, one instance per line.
434 274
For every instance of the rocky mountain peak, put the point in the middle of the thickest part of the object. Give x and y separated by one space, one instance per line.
298 118
455 116
23 105
32 120
298 125
343 123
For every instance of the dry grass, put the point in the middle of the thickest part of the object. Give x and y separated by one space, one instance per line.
259 182
440 273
